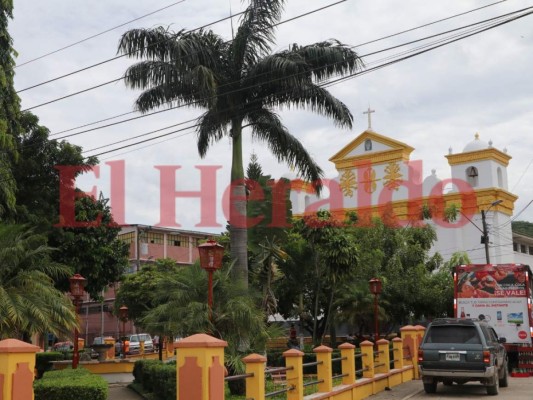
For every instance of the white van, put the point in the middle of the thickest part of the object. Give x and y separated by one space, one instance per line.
135 343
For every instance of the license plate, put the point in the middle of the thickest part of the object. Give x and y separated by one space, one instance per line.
453 357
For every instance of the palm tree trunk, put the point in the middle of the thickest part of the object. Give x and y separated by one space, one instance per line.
237 216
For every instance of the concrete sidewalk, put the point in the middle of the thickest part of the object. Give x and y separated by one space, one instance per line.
119 391
401 392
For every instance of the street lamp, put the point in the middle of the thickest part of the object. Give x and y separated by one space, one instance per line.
485 237
123 315
211 254
375 289
77 284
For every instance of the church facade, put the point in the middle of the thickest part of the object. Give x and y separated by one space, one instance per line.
376 177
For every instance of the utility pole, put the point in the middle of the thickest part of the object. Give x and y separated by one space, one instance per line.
485 237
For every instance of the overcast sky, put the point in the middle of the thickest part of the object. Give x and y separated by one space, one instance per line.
432 102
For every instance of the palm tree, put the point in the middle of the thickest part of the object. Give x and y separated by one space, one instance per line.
240 84
29 302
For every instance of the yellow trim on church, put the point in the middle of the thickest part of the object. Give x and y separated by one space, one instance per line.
400 208
382 157
399 152
486 154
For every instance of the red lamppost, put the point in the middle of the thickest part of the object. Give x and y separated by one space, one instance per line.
375 289
123 315
77 284
211 254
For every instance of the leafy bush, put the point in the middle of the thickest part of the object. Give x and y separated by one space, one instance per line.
43 361
70 384
156 377
140 374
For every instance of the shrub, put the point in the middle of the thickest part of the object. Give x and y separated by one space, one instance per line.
70 384
140 374
43 361
156 377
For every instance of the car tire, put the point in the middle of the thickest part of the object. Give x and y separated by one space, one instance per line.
493 389
430 387
504 380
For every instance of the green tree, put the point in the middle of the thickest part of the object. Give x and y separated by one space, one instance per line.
137 291
268 207
181 309
240 84
9 109
38 179
29 302
94 252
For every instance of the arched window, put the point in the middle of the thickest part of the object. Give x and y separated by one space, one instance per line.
472 176
500 177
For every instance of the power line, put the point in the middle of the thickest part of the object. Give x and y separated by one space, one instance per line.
358 74
122 77
430 23
96 35
114 58
299 16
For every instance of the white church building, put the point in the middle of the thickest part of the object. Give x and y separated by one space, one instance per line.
377 178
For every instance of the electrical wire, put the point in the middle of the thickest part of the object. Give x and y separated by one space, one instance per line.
92 123
96 35
358 74
330 83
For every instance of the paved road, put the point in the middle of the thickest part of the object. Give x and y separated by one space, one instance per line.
519 389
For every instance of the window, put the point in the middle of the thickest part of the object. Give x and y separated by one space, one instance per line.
530 249
500 177
154 238
177 240
515 246
453 334
127 237
523 248
368 145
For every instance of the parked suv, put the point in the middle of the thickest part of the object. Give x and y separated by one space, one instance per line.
135 345
462 350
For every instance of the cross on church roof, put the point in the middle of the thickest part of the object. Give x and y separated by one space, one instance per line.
369 112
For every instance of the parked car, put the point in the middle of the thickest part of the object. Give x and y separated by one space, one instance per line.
63 346
462 350
135 345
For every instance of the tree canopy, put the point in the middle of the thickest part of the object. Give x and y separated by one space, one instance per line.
241 84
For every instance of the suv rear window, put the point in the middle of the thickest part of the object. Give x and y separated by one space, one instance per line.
453 334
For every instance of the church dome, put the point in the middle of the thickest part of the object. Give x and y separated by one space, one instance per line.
476 145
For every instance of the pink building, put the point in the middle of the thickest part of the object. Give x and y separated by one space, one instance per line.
147 243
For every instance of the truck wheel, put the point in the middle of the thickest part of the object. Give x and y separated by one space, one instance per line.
430 387
504 381
494 388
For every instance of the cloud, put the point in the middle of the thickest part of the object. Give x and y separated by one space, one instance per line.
431 102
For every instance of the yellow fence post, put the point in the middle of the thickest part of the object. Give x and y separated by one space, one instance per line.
367 350
200 368
255 385
383 358
348 363
324 369
397 346
17 365
295 378
412 336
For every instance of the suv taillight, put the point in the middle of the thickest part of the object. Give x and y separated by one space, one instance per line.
420 355
486 357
